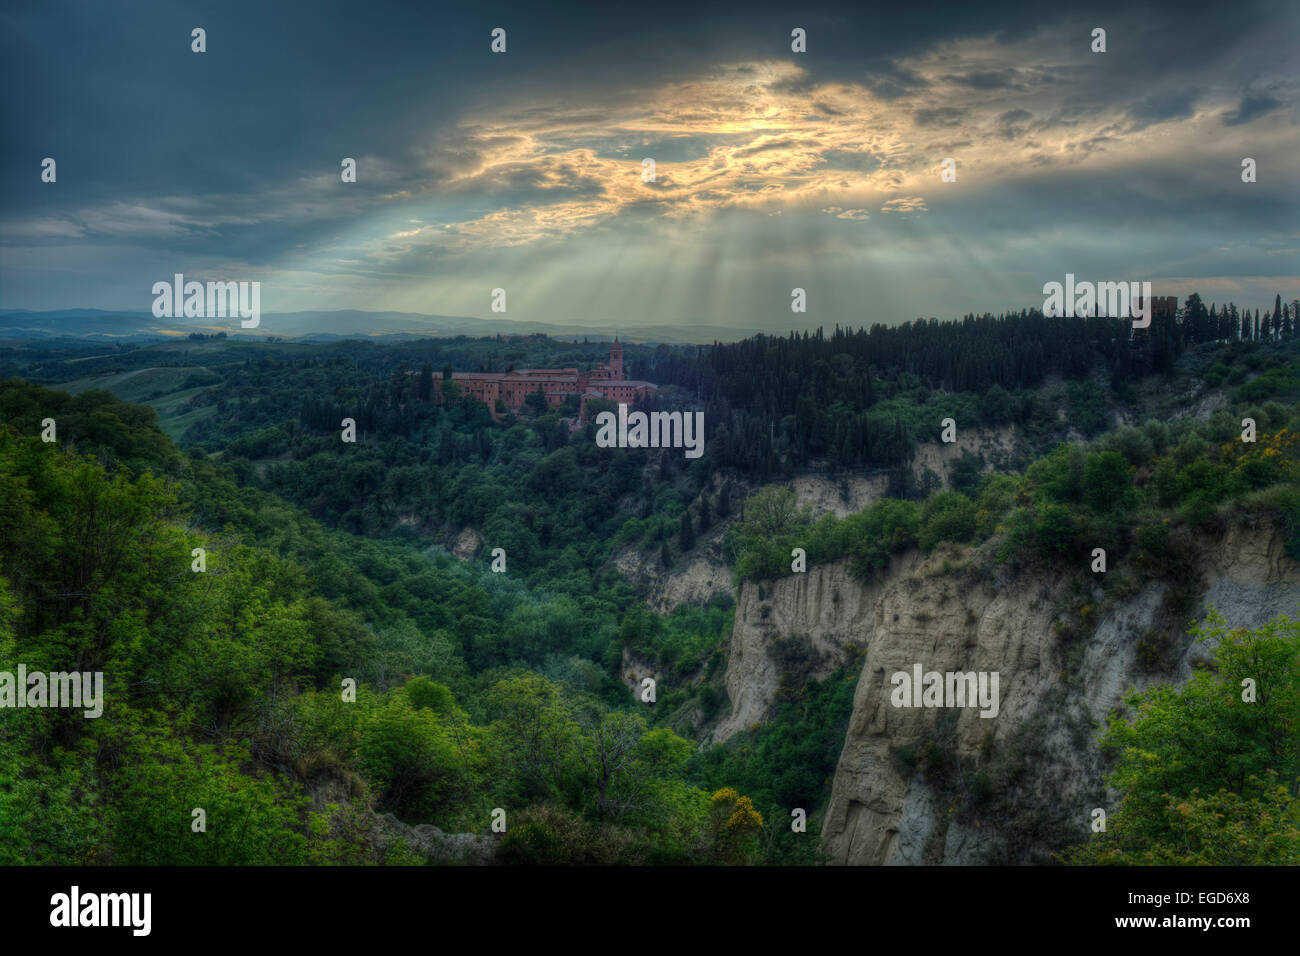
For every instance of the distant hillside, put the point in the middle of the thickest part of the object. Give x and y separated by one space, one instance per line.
325 326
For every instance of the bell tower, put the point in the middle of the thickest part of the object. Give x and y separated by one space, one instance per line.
616 360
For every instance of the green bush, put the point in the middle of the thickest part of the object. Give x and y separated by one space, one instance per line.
412 760
1106 481
425 694
948 516
1288 511
1055 531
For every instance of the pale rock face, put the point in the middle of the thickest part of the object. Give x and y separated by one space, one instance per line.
1209 405
971 617
965 846
1110 661
824 604
635 669
703 575
384 831
968 620
827 496
1249 576
439 848
699 580
945 621
955 611
467 544
915 826
939 456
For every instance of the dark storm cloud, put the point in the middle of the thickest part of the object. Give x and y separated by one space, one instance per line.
1253 106
858 161
988 79
893 81
1011 124
940 116
1163 107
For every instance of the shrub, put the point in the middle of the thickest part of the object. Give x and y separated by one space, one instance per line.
1054 531
1153 548
424 693
1288 511
533 843
1106 481
949 516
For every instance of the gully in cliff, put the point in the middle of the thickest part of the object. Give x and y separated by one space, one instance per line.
951 689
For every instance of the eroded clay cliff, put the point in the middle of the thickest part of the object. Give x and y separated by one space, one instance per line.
1038 757
945 785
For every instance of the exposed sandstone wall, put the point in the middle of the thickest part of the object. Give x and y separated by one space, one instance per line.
698 579
956 610
702 575
995 444
824 604
839 497
972 619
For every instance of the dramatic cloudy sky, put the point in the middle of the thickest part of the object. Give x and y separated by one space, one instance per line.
523 170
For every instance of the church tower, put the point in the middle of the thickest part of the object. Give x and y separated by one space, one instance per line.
616 360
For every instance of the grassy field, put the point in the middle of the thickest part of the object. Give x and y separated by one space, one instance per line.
166 390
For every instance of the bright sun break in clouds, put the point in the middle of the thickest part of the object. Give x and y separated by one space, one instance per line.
745 137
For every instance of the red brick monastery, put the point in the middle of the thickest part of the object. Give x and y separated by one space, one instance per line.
512 388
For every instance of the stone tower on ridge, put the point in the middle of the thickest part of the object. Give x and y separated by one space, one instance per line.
616 360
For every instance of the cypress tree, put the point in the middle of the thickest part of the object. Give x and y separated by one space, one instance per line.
724 500
686 536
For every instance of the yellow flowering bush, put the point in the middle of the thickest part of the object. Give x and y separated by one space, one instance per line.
736 825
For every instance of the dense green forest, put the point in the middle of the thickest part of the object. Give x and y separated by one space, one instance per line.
863 398
479 690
